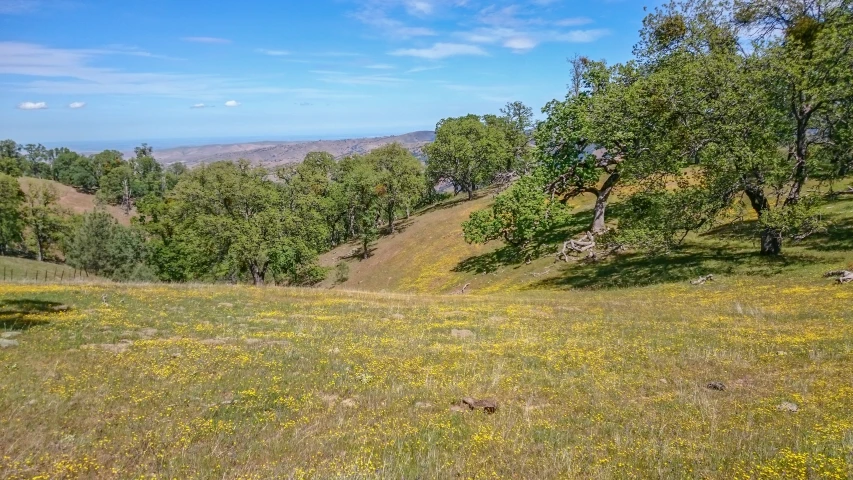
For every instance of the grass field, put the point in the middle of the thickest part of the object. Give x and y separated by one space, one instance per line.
147 381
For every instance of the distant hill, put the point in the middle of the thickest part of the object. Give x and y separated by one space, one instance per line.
278 153
75 201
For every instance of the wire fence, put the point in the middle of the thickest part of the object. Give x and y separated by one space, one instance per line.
43 275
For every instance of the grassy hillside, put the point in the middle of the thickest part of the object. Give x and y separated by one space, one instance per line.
25 269
236 382
74 201
430 255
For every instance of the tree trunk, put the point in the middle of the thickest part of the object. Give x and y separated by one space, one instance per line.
39 250
771 242
257 274
365 248
598 218
391 220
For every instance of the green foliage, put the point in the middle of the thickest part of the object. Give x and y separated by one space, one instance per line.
518 216
229 219
659 220
101 246
400 180
468 152
11 221
45 220
341 272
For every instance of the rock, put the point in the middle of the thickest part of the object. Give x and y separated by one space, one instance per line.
9 334
458 409
6 343
716 386
61 308
398 316
488 405
463 334
254 341
663 380
788 407
214 341
349 403
225 305
423 405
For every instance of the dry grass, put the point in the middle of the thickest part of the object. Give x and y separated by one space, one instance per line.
74 201
237 382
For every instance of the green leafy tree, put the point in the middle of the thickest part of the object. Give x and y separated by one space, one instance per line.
761 121
400 180
468 152
519 215
11 203
11 160
231 218
44 219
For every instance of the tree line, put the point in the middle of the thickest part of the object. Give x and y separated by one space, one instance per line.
726 106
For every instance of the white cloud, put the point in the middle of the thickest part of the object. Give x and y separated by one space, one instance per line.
376 17
380 66
232 103
573 22
212 40
199 105
274 53
32 106
520 44
582 36
440 50
76 105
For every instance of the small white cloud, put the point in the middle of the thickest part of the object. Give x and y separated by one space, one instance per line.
232 103
440 50
198 105
520 44
32 106
380 66
214 40
582 36
76 105
274 53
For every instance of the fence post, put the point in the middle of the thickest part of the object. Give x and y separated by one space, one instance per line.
62 276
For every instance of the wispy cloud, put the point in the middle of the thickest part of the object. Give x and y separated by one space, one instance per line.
440 50
14 7
32 106
76 105
232 103
199 105
424 68
374 15
273 53
380 66
210 40
343 78
573 22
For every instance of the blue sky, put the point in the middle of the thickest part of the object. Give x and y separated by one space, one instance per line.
132 70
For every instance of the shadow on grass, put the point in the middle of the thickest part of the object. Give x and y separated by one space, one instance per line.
637 270
508 255
14 313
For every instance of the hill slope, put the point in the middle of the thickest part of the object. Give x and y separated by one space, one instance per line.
429 255
74 201
276 153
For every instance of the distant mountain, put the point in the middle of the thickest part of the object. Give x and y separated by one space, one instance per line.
277 153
